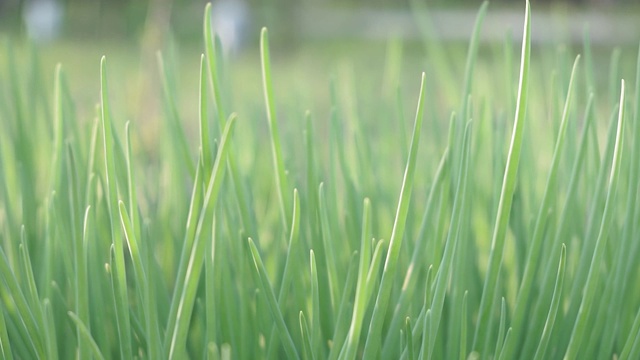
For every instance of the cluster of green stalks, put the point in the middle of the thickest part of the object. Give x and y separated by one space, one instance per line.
247 245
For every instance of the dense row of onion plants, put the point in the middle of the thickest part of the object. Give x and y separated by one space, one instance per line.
505 227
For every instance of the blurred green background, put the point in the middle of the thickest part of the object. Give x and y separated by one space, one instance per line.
311 43
86 18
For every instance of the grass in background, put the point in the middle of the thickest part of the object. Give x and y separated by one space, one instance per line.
279 232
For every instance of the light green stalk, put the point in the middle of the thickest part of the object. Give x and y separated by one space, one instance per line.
506 194
391 263
196 257
282 187
534 253
591 286
553 310
120 286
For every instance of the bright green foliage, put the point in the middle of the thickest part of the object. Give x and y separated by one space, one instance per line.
276 232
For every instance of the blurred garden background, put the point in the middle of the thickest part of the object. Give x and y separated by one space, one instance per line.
128 18
311 41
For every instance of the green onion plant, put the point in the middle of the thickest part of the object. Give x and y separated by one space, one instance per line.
505 226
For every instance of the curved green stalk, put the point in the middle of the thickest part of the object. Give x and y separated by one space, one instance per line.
395 243
276 152
267 289
361 300
445 270
289 266
419 254
536 242
553 310
591 286
506 194
196 258
306 338
86 334
120 287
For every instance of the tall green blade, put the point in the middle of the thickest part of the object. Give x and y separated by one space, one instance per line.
591 285
282 187
506 194
553 310
188 291
361 300
395 243
445 270
207 152
120 286
265 286
5 345
291 264
420 252
534 253
86 334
